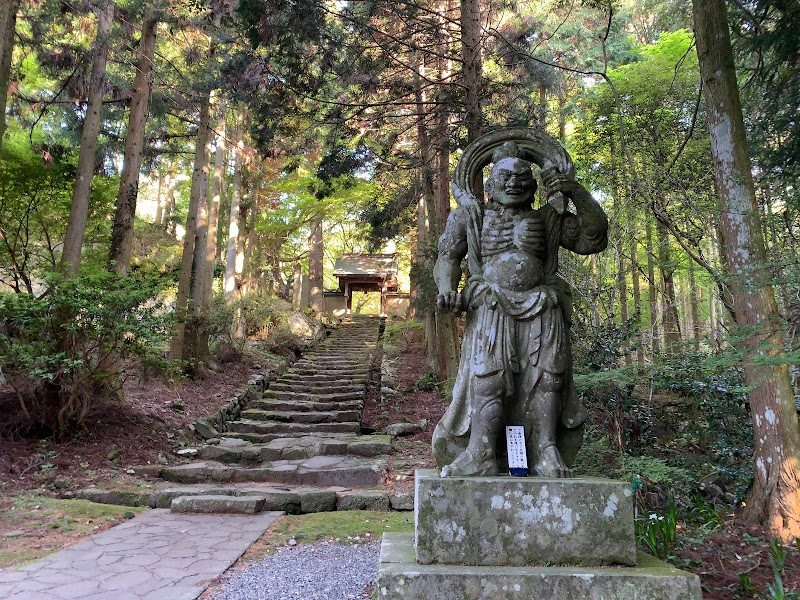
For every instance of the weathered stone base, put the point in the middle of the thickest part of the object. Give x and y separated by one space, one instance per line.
400 577
523 521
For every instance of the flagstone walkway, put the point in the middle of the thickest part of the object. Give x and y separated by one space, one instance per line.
158 555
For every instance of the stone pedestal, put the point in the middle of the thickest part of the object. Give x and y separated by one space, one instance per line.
487 538
523 521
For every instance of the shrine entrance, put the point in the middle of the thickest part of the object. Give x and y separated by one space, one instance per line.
366 273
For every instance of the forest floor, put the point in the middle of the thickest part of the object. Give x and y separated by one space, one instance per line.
733 558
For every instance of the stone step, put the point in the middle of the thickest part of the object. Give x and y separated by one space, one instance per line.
289 499
264 438
360 340
293 428
361 363
329 416
351 338
345 471
327 387
305 405
219 504
313 397
331 364
355 373
290 377
342 349
234 450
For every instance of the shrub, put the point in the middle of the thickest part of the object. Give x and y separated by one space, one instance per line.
230 324
427 382
60 352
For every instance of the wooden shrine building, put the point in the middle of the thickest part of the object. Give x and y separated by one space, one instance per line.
366 273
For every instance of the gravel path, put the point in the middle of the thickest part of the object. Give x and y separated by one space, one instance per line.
324 571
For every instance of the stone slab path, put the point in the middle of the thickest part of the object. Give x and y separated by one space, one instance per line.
158 555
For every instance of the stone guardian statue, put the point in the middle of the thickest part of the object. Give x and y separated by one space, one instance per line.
516 359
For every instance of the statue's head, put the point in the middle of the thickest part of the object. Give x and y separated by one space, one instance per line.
511 182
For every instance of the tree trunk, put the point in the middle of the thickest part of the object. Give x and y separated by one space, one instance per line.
199 180
715 309
775 493
169 204
446 337
196 343
542 105
245 208
217 191
8 29
471 66
122 232
695 297
315 257
161 198
651 288
79 208
244 252
425 208
670 325
248 275
622 287
637 290
229 285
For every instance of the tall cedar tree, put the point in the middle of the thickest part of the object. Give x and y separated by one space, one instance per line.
775 494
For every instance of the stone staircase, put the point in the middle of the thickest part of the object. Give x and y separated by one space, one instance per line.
299 446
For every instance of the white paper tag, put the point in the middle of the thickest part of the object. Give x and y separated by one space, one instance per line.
517 455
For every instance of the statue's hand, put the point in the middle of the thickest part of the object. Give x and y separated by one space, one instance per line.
555 181
450 302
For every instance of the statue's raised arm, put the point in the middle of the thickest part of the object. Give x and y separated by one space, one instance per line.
587 231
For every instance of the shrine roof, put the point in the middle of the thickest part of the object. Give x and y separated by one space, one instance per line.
379 265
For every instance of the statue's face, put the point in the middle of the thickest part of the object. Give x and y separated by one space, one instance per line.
513 183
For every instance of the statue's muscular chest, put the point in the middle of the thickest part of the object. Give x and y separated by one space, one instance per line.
513 248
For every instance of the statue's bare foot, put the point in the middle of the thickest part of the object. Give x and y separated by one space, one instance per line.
466 465
551 464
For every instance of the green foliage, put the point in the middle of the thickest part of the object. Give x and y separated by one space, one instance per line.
653 469
62 352
427 382
684 414
775 590
396 330
716 420
765 36
777 558
706 513
258 316
599 348
657 533
36 183
596 457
